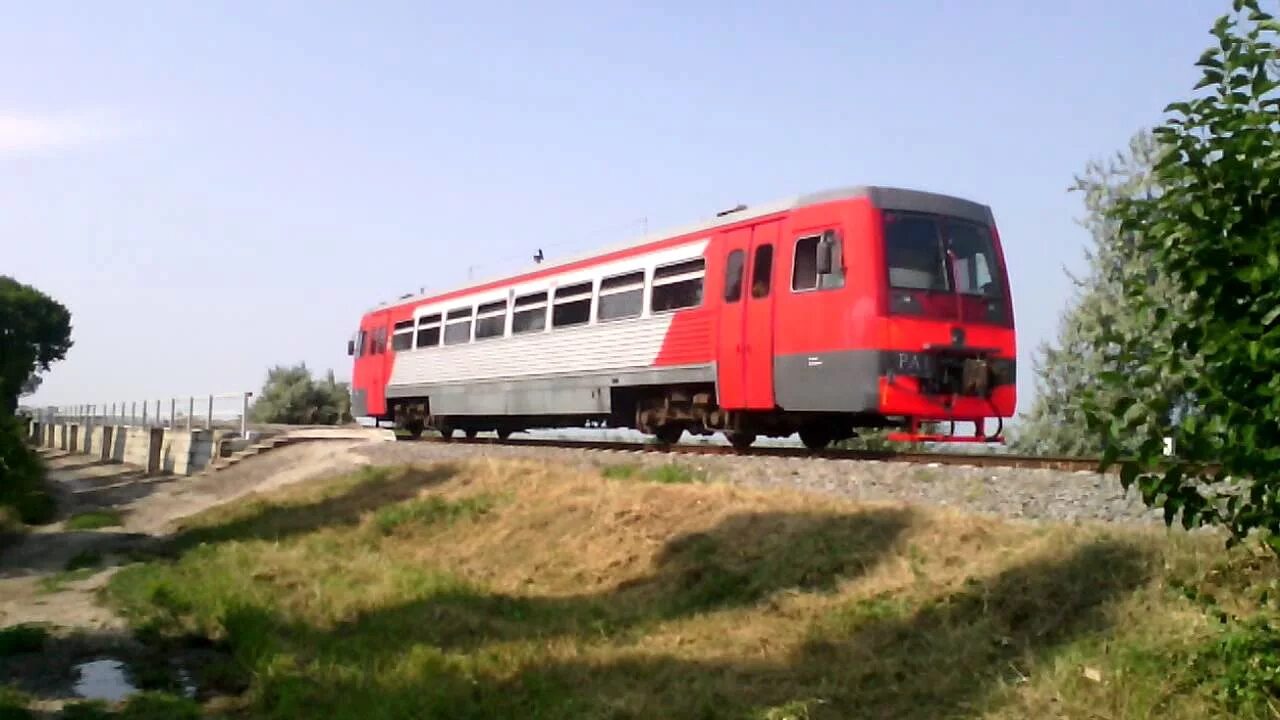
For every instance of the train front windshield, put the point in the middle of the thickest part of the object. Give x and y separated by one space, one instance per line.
943 268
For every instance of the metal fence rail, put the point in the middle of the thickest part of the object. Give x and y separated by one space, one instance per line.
192 411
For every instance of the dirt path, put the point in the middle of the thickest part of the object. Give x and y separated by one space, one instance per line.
35 584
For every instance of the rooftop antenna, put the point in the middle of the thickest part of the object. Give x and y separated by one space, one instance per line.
537 257
737 208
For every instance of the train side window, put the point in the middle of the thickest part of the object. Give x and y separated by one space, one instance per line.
733 277
572 305
530 313
457 326
402 336
804 273
379 341
491 320
621 296
429 330
678 285
762 271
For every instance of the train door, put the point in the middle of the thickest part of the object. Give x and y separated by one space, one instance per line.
378 361
745 347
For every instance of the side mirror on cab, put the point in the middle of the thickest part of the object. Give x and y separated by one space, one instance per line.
826 251
351 347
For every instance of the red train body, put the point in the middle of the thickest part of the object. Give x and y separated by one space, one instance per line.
821 314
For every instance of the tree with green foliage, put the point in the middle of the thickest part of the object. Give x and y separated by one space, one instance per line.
1067 371
291 396
35 331
1213 229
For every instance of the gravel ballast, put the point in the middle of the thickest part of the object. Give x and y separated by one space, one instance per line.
1004 492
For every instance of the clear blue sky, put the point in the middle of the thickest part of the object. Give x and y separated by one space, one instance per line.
214 189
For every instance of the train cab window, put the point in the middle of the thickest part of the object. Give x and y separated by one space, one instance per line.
572 305
973 258
805 275
429 330
457 326
762 271
360 343
402 337
530 313
379 341
733 277
491 320
679 285
621 296
914 255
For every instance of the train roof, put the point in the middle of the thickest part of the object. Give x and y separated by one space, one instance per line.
881 196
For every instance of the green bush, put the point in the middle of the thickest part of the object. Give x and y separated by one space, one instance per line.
1244 665
26 638
22 477
291 396
1214 230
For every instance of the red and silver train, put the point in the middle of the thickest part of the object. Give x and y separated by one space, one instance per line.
864 307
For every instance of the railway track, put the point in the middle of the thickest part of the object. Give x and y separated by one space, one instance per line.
1066 464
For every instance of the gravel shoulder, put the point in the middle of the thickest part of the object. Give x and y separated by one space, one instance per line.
1049 495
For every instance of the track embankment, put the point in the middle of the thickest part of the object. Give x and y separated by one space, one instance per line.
1007 486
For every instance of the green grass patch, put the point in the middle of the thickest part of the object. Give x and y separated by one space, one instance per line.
14 704
433 510
87 710
95 520
668 473
621 471
57 582
25 638
146 705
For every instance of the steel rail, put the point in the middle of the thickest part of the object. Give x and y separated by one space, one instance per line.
1030 462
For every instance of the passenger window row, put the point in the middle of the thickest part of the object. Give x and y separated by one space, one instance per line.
619 297
673 287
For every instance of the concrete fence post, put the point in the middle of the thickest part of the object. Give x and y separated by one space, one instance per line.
208 421
159 418
173 413
191 411
133 413
244 415
144 412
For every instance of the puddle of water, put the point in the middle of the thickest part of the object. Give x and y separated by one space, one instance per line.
108 680
103 680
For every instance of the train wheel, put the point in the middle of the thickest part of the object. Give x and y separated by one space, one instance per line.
471 433
669 434
446 432
503 434
815 438
413 429
740 440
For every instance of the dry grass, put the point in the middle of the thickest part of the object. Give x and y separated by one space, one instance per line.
499 589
